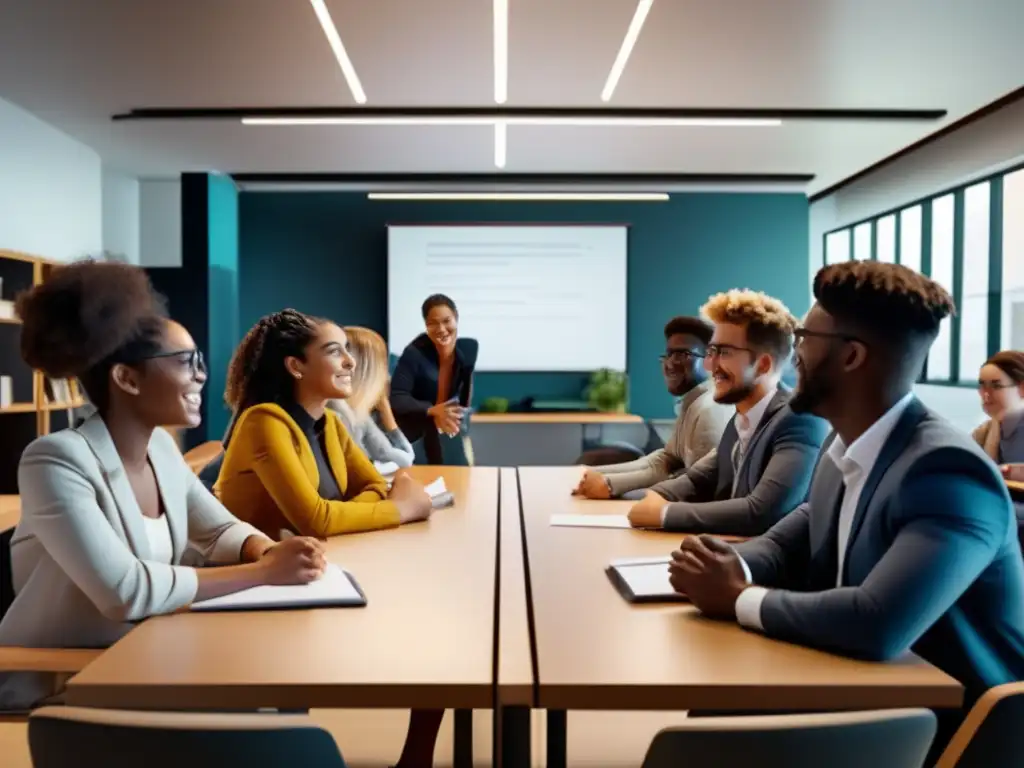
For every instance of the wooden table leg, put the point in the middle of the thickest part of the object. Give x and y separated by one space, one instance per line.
462 756
557 748
512 738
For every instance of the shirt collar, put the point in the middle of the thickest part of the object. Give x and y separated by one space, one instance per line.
300 415
864 451
690 397
747 424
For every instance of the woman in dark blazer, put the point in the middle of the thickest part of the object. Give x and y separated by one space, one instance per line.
432 385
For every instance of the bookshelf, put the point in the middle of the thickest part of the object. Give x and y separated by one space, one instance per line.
35 406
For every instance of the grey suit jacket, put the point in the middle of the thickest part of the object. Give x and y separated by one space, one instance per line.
774 476
932 561
80 554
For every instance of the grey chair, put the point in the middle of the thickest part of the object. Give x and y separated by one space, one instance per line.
991 735
69 737
878 739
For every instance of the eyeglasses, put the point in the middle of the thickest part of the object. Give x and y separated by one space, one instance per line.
725 351
993 386
680 356
192 357
803 333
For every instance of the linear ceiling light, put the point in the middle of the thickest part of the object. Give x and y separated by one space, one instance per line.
643 7
500 51
637 197
628 122
324 17
500 143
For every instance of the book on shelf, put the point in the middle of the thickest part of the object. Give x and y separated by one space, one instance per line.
6 391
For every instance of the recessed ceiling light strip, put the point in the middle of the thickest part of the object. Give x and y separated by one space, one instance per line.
627 122
334 39
500 51
643 7
638 197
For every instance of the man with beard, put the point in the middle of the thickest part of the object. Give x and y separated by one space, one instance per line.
763 464
699 424
908 539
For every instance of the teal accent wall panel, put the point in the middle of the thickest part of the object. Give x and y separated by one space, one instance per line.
326 253
222 298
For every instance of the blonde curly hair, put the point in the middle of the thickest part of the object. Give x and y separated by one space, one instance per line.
769 323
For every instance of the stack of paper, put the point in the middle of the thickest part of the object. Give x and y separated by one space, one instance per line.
590 521
335 588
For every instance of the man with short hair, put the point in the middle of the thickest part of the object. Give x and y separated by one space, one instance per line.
908 539
764 461
699 423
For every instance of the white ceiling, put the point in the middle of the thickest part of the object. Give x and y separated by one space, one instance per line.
74 63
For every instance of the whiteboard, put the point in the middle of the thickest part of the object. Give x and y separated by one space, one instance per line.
537 298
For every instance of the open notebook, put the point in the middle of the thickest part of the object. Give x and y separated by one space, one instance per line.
643 580
336 588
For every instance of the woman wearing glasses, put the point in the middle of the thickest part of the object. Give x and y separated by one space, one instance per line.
109 506
1001 386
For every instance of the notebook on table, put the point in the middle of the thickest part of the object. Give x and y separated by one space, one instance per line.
643 580
337 588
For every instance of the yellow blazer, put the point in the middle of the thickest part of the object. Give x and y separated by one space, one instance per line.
269 478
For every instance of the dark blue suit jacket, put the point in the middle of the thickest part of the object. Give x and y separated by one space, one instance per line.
932 563
414 386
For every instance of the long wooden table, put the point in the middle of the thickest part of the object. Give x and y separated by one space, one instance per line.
595 651
425 639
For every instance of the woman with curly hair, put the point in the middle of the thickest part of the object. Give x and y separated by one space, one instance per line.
109 507
367 413
290 466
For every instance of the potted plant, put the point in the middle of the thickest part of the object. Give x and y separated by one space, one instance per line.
607 391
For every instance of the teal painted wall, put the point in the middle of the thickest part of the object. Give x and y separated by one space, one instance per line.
222 298
326 253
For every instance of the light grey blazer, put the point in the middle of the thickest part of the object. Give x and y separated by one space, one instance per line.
80 554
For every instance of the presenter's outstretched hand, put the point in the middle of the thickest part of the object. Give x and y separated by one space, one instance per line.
447 417
297 560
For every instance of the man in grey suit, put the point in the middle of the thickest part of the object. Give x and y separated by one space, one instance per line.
763 464
908 539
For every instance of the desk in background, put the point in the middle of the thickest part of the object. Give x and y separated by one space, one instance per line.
538 438
595 651
10 514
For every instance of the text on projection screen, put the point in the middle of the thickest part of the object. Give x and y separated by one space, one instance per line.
537 298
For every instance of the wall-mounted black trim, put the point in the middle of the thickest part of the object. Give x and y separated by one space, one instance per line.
569 179
956 125
498 112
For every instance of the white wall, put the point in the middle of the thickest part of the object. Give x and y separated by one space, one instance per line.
160 223
121 215
991 144
51 198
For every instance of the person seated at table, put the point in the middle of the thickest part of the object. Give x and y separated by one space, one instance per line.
383 443
109 506
763 464
432 386
1001 385
289 464
907 541
699 423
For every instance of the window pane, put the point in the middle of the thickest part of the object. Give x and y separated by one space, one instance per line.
910 238
974 302
1013 261
862 242
942 273
885 231
837 247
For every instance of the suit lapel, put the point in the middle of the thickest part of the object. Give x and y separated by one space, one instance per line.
832 492
96 435
893 448
780 399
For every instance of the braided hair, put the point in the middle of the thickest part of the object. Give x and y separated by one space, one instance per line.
257 373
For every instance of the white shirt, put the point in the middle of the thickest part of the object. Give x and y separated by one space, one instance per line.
158 531
855 463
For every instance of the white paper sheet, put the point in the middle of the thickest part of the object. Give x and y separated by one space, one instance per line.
386 468
436 488
640 561
649 580
333 588
591 521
